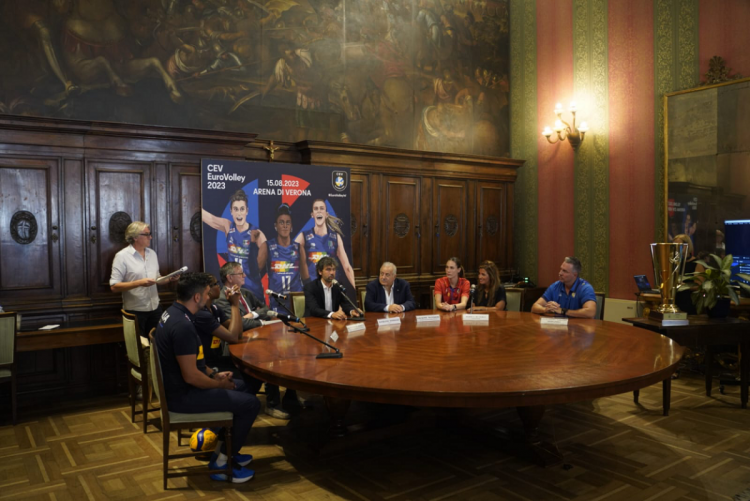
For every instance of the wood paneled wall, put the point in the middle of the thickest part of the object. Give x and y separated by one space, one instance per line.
412 208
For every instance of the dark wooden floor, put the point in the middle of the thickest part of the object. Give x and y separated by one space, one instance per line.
614 450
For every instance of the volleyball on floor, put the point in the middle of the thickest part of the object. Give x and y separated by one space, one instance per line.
203 440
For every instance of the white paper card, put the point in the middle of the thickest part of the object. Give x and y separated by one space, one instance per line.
554 321
428 318
352 328
389 321
476 317
334 337
49 327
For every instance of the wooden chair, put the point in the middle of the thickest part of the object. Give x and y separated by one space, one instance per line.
362 294
8 357
513 299
432 295
599 306
298 303
137 367
181 421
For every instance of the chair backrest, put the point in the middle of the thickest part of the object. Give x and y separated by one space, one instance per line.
7 338
362 294
157 382
432 295
298 303
132 337
599 306
513 299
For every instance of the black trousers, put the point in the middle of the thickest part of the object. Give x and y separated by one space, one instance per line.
240 402
226 364
147 320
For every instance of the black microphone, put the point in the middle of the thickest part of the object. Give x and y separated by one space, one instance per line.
472 292
336 282
283 316
275 294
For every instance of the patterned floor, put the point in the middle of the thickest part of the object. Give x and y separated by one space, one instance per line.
614 450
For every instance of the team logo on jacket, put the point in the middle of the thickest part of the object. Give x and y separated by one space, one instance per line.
340 180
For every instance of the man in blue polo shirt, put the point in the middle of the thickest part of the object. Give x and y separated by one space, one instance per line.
570 295
190 386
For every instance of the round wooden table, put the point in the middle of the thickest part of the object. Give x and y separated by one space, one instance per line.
509 360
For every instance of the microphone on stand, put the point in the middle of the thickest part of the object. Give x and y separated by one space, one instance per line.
275 294
472 292
348 300
284 317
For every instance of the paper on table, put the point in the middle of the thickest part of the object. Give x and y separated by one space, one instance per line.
163 279
49 327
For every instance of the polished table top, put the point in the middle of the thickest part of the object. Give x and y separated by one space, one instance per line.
510 360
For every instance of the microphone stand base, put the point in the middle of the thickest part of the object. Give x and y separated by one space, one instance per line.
330 355
357 319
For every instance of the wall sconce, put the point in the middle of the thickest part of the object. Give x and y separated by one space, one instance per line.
566 131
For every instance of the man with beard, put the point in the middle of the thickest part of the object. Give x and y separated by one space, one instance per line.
190 387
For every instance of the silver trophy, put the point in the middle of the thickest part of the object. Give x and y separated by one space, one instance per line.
669 266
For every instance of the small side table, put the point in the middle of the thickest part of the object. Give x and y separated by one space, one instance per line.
704 331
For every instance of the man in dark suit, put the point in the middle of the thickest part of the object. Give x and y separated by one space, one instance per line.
254 312
322 299
388 293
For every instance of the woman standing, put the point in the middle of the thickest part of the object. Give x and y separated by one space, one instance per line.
490 294
452 290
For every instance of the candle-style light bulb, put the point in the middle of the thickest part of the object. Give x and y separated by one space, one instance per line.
559 125
584 127
547 132
572 106
558 109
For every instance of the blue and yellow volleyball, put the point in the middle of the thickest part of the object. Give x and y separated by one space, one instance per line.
203 440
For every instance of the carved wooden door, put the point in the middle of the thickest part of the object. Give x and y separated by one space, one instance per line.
118 194
185 217
449 228
491 227
360 224
30 228
400 206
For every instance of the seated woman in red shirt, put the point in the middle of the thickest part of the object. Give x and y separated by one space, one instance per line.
490 293
452 290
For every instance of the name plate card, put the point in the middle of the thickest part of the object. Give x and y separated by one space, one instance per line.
476 317
389 321
352 328
428 318
554 321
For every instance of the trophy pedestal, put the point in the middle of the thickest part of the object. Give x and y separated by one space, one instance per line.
670 314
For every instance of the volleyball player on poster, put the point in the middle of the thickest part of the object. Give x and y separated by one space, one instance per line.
245 242
283 257
325 239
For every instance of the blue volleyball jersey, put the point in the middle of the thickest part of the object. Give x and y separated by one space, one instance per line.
241 249
317 247
283 269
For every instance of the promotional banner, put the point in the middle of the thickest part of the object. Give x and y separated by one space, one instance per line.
278 220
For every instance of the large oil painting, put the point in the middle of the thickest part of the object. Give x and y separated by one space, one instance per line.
429 75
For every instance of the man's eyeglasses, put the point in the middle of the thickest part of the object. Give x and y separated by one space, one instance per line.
145 234
242 274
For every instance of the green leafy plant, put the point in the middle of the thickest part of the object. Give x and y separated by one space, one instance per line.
713 282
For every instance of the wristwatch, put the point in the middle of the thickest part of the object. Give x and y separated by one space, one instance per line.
215 371
455 307
564 311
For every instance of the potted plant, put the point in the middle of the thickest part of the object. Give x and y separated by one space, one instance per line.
713 292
